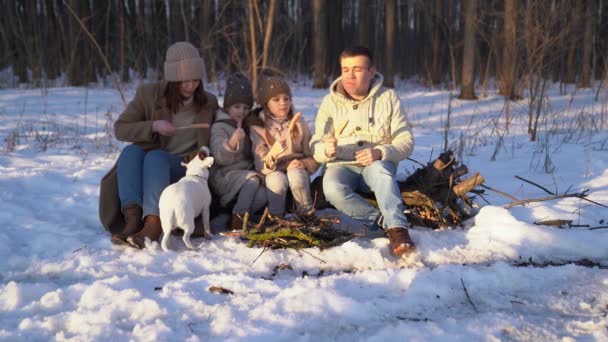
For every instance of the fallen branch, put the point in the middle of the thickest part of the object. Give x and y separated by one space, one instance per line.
467 294
554 194
543 199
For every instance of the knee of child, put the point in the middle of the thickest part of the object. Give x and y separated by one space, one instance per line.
277 181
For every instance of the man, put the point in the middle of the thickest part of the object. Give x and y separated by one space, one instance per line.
362 134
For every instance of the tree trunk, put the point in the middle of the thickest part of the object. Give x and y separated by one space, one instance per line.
389 17
509 51
467 85
124 68
585 80
319 44
436 54
573 41
336 36
268 32
363 20
254 51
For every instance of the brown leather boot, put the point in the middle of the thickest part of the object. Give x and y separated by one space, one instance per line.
133 222
236 221
400 241
151 230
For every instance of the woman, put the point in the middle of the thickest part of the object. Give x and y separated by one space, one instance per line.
158 124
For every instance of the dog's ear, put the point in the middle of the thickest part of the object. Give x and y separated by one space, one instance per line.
203 152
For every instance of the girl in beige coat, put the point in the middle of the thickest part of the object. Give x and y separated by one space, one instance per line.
281 149
233 176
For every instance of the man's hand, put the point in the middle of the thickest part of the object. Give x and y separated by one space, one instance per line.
368 156
331 147
296 164
237 136
164 127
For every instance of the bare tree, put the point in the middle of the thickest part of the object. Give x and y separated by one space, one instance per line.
268 32
585 79
319 44
509 52
389 26
467 79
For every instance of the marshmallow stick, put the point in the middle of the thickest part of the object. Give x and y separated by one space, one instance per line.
199 125
342 127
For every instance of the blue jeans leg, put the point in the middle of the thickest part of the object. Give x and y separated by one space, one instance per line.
160 169
339 185
130 175
380 177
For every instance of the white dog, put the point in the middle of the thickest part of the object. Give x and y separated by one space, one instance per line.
181 202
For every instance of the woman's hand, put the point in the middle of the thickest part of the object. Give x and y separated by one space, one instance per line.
164 127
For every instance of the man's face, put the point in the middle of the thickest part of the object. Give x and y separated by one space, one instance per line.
357 75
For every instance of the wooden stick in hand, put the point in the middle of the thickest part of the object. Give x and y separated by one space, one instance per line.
199 125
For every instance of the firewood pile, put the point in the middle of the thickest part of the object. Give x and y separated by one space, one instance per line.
298 232
435 195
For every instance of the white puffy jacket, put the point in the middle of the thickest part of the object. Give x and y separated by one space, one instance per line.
376 121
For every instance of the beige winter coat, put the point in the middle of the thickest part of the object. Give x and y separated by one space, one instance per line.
297 147
135 125
377 121
232 168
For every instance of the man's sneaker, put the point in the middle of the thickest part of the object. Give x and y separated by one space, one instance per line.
400 242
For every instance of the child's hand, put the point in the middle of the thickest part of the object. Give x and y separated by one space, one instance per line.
277 148
237 136
296 164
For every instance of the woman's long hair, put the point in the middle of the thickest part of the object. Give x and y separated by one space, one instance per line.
175 98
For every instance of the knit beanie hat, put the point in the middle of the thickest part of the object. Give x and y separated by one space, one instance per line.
271 86
183 63
238 90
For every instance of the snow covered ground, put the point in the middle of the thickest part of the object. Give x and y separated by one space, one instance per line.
61 279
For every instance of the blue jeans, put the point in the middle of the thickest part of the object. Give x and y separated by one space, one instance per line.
341 181
142 176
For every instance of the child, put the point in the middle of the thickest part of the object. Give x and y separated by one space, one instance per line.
233 175
281 151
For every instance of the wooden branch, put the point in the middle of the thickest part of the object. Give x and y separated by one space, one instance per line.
499 192
341 129
582 195
467 185
520 202
467 294
260 224
103 57
199 125
530 182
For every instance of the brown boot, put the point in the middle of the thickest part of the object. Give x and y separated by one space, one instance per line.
400 241
133 222
152 230
236 226
236 221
